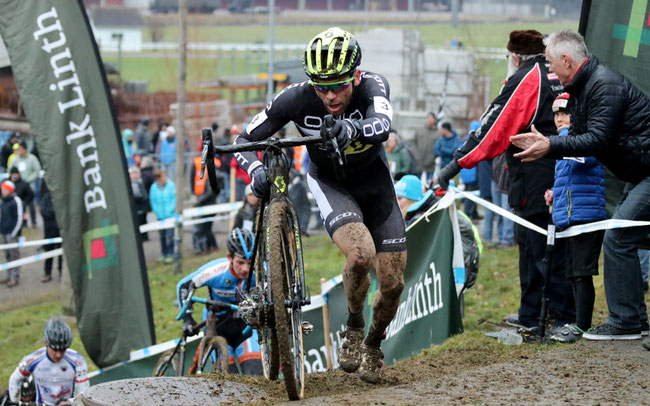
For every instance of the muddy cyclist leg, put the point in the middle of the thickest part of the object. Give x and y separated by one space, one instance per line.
354 240
390 274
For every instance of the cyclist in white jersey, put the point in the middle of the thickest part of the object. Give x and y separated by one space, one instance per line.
58 372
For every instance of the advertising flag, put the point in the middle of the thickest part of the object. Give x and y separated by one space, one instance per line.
64 93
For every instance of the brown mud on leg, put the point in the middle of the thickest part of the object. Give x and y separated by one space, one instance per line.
390 274
354 240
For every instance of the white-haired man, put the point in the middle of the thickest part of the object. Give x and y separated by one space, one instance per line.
610 119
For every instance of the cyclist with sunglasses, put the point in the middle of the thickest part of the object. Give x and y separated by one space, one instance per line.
224 277
360 211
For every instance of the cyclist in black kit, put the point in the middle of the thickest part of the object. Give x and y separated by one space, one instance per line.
360 212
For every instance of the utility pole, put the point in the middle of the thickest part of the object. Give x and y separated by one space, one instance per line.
269 82
181 95
454 13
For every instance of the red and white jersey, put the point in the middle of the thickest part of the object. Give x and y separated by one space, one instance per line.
54 381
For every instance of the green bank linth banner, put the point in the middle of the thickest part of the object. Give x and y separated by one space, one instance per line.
63 90
618 33
429 310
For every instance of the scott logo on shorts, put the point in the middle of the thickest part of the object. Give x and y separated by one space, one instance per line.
394 241
342 216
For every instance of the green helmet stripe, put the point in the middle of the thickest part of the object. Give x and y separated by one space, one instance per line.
344 51
316 66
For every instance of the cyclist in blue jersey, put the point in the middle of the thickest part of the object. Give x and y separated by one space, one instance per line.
360 211
224 277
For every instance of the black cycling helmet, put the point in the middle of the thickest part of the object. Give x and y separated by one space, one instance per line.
331 54
28 389
57 334
240 242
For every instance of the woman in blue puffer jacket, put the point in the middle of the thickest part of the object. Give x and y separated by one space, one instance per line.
578 196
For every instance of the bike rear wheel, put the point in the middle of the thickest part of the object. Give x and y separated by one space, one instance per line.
216 349
168 365
285 260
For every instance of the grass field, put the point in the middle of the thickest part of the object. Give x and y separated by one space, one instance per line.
161 70
495 294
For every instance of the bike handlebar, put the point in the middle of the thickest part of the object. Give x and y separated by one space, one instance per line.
208 302
209 149
269 142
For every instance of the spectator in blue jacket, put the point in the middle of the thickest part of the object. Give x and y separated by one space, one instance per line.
162 198
470 178
446 145
167 151
578 196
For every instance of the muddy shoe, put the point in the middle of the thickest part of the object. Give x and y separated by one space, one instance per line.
569 333
370 369
350 350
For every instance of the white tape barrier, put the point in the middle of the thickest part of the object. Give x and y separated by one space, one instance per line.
21 244
502 212
32 259
569 232
229 208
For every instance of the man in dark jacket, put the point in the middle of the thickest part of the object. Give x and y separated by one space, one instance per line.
50 230
525 99
610 119
23 190
8 149
11 223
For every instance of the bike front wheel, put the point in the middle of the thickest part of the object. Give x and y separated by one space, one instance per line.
285 261
213 355
169 364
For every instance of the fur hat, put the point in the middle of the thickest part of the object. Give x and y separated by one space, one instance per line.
526 42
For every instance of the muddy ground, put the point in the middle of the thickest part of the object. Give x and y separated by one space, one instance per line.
588 372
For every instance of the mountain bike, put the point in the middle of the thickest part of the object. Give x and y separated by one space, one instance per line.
212 346
274 305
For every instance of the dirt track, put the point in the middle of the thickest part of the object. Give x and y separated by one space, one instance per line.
476 372
585 373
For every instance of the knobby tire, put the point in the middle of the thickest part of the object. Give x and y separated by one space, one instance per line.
219 346
288 322
266 334
172 365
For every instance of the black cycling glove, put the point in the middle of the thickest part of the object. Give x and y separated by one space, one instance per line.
260 183
188 325
343 132
447 173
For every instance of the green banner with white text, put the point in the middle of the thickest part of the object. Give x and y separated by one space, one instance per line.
429 310
64 93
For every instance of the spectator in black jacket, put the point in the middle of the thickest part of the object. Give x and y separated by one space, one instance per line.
245 217
50 230
7 150
610 119
526 99
140 198
23 190
11 223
